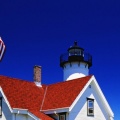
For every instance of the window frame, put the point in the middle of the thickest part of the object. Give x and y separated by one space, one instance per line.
90 100
62 114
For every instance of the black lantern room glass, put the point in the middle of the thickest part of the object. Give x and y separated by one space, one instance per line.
75 54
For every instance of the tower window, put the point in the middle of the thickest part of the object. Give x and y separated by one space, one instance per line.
90 107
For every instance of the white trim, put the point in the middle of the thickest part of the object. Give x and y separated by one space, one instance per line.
103 98
100 93
43 98
38 84
8 104
24 111
111 118
20 111
57 110
33 116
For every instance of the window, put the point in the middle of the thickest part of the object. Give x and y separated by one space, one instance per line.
90 106
62 116
0 106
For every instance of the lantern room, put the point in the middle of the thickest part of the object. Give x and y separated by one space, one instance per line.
75 63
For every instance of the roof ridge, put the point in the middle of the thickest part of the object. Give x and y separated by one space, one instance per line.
44 98
70 80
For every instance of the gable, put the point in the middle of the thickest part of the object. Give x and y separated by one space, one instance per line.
79 111
79 106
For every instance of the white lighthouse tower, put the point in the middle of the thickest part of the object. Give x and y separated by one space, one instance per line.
75 62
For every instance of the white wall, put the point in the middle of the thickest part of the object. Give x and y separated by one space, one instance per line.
79 111
75 70
22 117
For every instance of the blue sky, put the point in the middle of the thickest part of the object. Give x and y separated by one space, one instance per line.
36 32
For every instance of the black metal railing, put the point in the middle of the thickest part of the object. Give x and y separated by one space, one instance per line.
85 57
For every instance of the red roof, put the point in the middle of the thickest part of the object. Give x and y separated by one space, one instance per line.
26 95
41 115
63 94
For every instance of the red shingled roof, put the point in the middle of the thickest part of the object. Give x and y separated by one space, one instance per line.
41 115
63 94
26 95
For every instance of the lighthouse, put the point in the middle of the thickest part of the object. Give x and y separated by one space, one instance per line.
75 63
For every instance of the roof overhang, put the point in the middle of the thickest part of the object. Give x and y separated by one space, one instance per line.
24 112
55 111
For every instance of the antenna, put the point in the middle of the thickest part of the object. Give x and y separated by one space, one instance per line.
75 43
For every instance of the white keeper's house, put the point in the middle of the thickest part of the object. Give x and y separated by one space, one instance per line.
77 97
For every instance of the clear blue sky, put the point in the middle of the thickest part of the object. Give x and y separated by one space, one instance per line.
36 32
